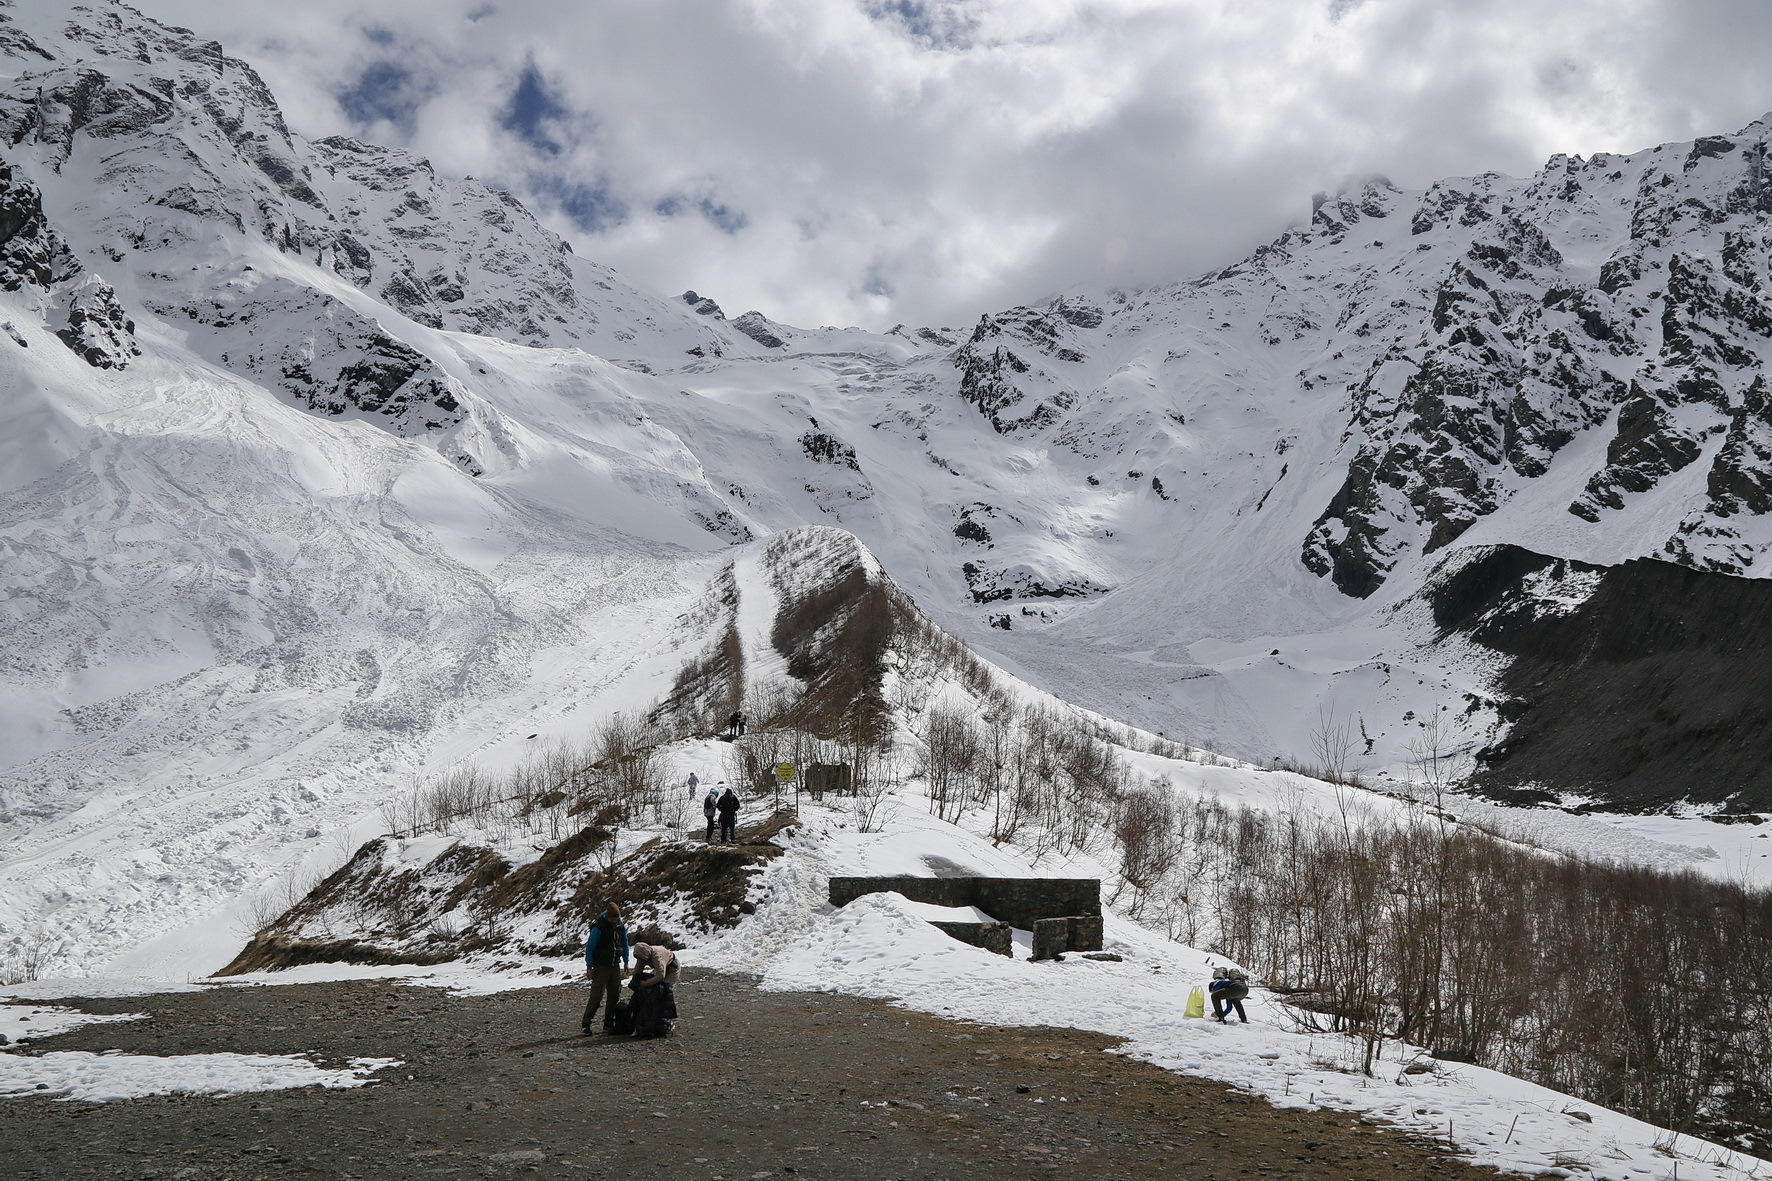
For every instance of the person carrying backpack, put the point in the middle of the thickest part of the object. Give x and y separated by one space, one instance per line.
1229 986
710 804
653 1006
607 943
728 807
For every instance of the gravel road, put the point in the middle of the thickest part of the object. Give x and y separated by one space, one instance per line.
755 1084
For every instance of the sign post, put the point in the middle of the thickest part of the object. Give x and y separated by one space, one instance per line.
784 774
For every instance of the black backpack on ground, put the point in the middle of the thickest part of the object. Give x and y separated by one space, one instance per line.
654 1010
622 1023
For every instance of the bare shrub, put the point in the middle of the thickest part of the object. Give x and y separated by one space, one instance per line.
950 756
26 958
870 795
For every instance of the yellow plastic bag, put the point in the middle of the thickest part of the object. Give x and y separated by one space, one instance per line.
1196 1003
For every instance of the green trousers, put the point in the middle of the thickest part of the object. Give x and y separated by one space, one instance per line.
605 986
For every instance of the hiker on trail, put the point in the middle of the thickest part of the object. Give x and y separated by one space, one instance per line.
607 943
728 807
1229 986
710 804
735 723
694 782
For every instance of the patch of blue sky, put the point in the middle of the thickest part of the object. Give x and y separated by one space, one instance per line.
533 112
938 23
591 207
720 215
384 90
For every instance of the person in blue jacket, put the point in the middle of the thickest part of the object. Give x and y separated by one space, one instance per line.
1229 986
604 947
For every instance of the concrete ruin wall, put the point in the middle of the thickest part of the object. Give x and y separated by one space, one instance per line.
993 937
1018 902
1054 937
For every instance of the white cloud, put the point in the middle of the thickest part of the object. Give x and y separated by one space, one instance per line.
875 161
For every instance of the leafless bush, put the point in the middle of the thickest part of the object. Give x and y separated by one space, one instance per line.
26 958
951 755
870 795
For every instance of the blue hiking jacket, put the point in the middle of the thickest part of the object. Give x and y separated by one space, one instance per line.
620 936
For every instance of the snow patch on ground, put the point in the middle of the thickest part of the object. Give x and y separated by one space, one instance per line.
29 1022
104 1078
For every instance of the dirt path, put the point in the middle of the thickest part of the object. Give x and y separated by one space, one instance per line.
755 1085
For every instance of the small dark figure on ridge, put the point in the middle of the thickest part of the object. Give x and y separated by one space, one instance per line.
735 723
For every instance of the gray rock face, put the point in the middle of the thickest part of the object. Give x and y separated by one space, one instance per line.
78 306
997 376
703 306
330 359
822 448
1647 448
757 326
992 586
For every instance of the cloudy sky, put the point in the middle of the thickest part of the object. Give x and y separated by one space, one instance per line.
881 161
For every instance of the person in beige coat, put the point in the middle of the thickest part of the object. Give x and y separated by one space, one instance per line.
661 960
654 1002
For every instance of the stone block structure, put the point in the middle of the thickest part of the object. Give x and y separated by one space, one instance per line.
1063 913
1054 937
993 937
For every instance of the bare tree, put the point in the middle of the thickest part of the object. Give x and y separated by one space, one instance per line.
1333 744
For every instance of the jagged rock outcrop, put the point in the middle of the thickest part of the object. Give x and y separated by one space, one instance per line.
992 586
77 305
758 327
330 359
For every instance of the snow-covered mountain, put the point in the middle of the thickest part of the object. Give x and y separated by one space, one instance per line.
320 471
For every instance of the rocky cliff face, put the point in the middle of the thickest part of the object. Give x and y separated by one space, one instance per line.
80 308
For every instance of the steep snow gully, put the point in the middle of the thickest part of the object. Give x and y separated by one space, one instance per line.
323 476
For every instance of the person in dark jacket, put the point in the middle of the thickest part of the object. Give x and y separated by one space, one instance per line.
1229 986
735 723
604 947
728 807
710 804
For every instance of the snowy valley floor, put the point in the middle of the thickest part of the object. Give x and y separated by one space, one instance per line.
756 1083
